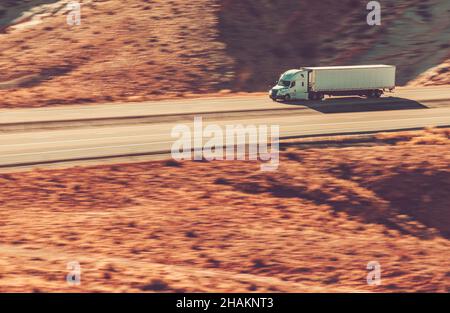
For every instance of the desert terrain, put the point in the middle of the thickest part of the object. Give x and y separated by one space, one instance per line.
151 49
164 226
438 75
220 226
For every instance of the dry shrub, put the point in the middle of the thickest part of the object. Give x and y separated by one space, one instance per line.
430 136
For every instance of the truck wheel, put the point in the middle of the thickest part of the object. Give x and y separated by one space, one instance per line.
287 98
378 93
371 94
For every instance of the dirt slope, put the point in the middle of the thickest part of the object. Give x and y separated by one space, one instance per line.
122 51
224 226
438 75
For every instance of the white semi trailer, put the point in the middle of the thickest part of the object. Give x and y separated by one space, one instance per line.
313 83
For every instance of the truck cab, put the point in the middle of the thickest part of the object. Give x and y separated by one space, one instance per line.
292 85
314 83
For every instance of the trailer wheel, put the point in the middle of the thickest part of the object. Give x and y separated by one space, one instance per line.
371 94
378 93
316 96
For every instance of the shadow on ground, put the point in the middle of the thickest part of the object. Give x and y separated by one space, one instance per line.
429 206
357 104
31 80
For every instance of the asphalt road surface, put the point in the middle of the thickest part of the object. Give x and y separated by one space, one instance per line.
407 109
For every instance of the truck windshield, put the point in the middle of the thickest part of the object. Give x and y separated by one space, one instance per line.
285 83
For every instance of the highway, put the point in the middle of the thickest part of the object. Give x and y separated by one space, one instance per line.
402 98
85 141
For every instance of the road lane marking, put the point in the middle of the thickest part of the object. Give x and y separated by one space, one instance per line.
288 125
171 141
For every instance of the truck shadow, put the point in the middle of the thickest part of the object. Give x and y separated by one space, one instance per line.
357 104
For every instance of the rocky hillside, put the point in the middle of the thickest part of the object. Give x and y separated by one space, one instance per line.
266 37
438 75
151 49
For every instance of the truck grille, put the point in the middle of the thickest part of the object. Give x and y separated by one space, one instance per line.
274 93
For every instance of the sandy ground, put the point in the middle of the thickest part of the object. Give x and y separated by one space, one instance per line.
311 226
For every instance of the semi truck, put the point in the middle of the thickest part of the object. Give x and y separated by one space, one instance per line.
313 83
